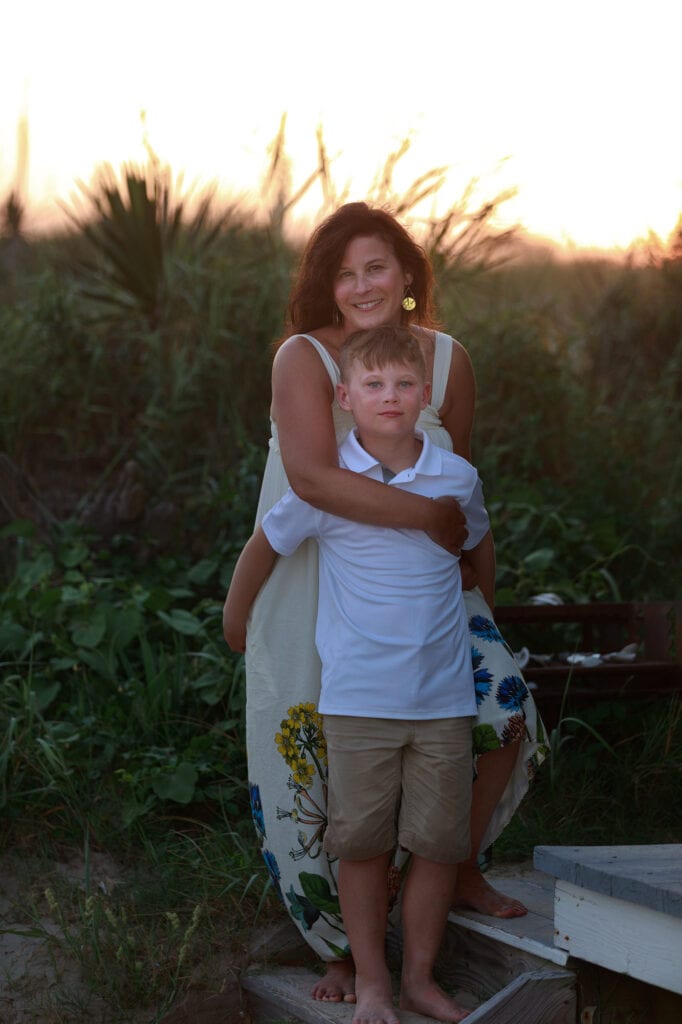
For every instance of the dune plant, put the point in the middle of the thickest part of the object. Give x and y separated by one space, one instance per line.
178 911
137 226
13 215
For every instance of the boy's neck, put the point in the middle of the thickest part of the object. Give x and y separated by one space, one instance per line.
395 454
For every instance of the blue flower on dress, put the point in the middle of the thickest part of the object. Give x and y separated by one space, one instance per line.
511 693
485 628
257 809
274 872
482 677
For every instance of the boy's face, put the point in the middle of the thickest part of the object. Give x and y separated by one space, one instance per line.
385 401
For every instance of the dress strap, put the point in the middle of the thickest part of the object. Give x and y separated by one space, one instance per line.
329 364
441 365
441 368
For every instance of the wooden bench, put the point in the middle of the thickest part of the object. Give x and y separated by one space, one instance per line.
560 630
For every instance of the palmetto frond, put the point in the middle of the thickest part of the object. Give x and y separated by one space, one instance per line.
138 227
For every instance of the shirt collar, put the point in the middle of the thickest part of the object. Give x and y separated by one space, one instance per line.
355 457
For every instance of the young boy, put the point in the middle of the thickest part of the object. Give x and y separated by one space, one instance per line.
397 682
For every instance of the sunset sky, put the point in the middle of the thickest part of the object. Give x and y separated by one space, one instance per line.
576 105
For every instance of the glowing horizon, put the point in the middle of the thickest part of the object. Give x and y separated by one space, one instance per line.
575 107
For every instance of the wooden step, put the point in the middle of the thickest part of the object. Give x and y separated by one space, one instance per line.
283 993
544 996
506 972
620 907
533 933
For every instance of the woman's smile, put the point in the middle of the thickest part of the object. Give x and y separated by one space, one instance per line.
370 284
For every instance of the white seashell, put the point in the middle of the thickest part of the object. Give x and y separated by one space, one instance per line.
547 598
522 657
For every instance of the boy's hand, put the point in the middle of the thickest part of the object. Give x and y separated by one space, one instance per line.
253 567
234 632
449 527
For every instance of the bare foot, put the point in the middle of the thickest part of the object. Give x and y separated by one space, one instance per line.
375 1003
473 891
431 1001
338 983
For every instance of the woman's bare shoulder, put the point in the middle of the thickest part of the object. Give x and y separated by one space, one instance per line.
457 346
460 356
297 370
304 343
295 351
293 343
424 334
461 378
457 411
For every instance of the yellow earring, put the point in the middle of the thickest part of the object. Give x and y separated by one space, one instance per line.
409 302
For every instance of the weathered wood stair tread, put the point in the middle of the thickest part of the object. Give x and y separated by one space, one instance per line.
650 876
543 996
620 907
283 993
505 971
533 933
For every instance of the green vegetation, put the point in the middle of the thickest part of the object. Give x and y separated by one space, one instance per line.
134 384
620 790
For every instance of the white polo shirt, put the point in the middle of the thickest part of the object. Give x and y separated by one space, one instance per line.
391 626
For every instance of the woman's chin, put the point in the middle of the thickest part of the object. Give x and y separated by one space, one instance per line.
365 320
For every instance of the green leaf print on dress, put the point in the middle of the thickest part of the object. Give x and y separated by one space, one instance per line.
317 901
485 739
301 743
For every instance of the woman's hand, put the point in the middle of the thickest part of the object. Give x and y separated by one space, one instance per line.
469 574
449 524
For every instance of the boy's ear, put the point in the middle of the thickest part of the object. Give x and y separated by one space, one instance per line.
342 396
426 394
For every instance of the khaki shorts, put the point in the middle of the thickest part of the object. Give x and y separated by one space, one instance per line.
394 782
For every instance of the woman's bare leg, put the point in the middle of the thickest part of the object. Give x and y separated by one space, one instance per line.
472 890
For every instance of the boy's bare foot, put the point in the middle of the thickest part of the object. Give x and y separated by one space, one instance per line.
473 891
375 1005
338 983
430 1000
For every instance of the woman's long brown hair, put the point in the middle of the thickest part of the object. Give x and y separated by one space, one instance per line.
311 303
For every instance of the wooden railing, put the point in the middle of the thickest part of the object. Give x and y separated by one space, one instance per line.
654 628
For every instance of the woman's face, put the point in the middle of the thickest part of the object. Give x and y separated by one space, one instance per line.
370 284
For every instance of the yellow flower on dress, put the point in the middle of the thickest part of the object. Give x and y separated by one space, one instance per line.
301 744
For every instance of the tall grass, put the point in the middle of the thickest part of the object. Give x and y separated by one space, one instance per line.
577 441
617 785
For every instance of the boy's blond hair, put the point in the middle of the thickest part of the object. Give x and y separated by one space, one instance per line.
379 346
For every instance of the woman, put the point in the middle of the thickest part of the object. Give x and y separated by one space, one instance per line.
360 269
